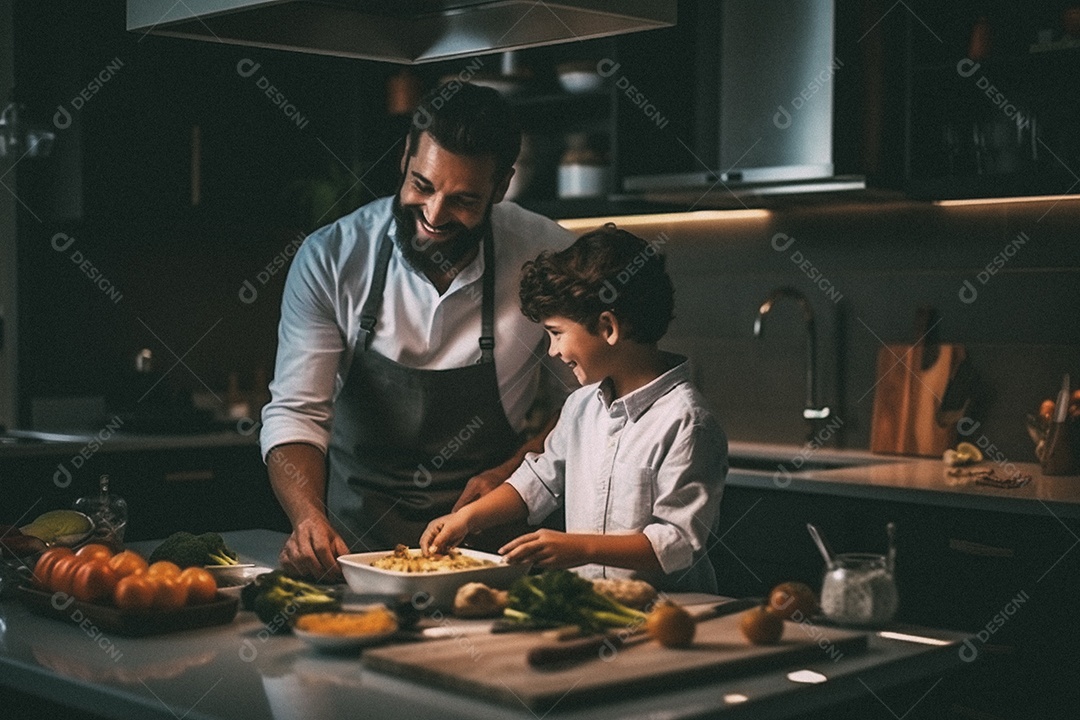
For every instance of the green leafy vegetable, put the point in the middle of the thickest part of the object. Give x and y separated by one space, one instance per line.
277 599
189 550
560 597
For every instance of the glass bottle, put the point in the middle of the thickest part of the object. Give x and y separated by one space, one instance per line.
109 513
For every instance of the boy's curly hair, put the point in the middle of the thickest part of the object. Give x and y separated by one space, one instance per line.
605 269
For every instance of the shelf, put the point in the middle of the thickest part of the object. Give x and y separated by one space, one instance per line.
1013 116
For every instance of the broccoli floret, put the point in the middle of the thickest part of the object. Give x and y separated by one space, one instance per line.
564 598
216 549
182 548
279 599
188 550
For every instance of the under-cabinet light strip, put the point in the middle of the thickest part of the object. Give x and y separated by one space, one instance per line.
580 224
1005 200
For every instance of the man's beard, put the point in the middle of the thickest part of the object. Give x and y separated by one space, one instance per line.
430 256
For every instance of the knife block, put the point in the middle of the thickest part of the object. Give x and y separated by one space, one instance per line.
1061 454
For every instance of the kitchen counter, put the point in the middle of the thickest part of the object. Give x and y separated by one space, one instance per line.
865 475
71 444
237 671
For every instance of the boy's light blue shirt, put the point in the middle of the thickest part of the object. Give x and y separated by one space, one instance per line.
653 461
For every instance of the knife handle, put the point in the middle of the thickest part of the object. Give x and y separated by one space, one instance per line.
599 646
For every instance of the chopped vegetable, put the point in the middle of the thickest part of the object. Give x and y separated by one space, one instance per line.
189 550
559 597
276 598
636 594
478 600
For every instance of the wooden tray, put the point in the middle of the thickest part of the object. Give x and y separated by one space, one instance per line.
494 667
132 623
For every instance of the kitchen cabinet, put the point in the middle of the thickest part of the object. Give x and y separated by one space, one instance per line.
553 117
198 489
992 109
1004 577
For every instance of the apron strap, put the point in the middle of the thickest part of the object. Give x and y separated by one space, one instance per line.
487 311
369 314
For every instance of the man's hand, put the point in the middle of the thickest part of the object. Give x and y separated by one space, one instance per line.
548 549
312 551
443 533
480 485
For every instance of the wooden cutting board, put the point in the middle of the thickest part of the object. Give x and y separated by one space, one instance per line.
493 667
907 415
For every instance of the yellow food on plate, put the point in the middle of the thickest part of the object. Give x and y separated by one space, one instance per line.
413 561
345 624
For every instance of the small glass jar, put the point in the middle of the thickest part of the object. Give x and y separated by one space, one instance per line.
859 589
109 513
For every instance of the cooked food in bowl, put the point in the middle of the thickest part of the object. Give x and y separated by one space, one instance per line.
373 622
434 589
413 561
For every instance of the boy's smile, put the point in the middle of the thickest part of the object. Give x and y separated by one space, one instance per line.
585 353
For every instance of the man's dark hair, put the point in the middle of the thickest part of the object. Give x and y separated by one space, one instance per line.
606 269
468 119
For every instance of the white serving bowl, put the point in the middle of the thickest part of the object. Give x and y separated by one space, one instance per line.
426 591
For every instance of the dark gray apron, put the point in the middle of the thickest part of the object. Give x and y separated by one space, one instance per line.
405 440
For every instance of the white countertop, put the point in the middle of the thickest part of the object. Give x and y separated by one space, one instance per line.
904 479
237 671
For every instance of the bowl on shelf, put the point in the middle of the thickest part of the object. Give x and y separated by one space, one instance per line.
579 77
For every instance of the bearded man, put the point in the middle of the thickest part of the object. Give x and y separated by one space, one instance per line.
404 367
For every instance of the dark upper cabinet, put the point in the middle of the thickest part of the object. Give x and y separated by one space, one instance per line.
992 108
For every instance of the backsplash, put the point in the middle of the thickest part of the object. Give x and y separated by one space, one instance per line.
864 268
1004 281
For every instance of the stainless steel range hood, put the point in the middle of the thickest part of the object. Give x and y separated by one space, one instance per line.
399 31
765 123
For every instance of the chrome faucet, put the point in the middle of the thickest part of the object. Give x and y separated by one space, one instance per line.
812 411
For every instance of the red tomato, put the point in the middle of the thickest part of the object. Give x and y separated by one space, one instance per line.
199 585
127 563
169 594
94 550
44 566
134 592
164 568
93 580
63 573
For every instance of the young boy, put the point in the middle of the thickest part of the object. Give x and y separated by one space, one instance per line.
636 458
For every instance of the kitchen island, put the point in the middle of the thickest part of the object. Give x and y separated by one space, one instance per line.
238 671
1001 563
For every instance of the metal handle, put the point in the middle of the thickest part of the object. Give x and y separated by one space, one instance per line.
967 547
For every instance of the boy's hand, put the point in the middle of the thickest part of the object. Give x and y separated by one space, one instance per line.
478 486
443 533
548 549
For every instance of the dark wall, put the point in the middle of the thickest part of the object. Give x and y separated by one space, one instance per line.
119 185
114 253
874 265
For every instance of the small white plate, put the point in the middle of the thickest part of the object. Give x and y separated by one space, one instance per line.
338 643
230 576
